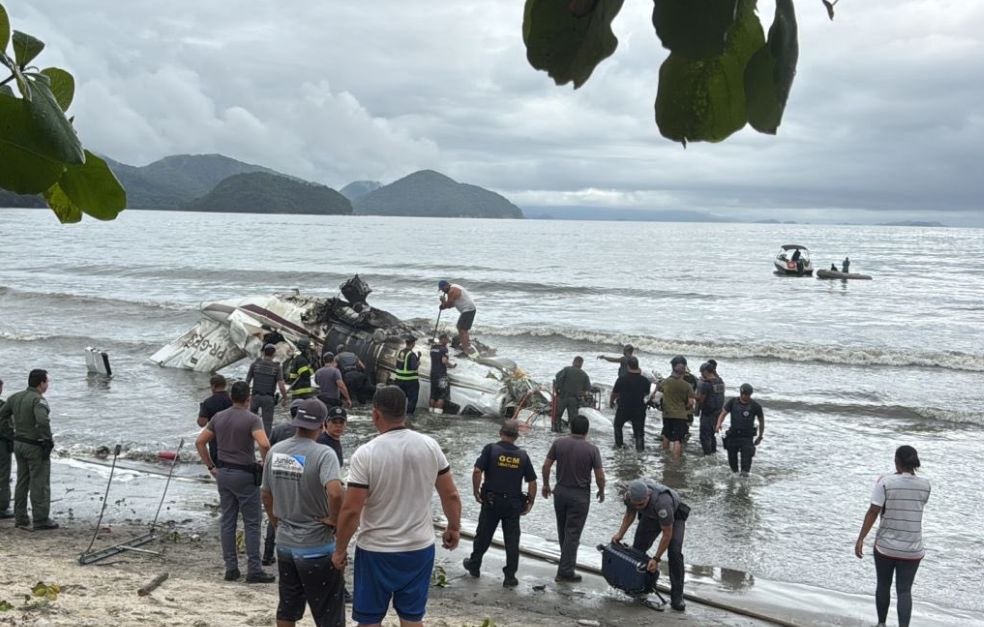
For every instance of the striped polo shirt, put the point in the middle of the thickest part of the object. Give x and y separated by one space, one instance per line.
902 498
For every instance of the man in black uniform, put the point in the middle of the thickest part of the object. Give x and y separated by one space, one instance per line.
505 467
632 391
218 401
353 374
710 399
301 371
407 363
741 437
265 374
622 361
6 459
331 436
440 383
660 513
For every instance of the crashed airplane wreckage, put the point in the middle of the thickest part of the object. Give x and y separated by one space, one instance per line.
232 330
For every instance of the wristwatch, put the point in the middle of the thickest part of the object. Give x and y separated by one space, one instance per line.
210 468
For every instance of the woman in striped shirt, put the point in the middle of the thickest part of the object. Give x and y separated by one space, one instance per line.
900 499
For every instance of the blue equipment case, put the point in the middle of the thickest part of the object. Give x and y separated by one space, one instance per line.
624 568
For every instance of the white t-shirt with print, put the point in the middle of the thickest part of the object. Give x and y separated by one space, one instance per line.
399 469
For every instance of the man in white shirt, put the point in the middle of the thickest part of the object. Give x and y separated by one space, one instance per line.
390 485
458 297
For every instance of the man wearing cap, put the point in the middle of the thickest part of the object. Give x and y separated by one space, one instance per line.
238 431
281 432
505 467
301 371
570 386
265 374
576 460
458 297
392 479
741 438
678 398
440 382
622 360
302 495
333 431
632 391
661 514
710 400
407 364
331 386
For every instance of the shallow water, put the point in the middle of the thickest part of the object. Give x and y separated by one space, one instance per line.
846 371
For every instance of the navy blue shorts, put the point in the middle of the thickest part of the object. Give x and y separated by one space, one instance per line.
403 577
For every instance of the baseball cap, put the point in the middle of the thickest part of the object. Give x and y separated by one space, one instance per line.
746 388
679 359
294 404
311 414
411 339
442 284
303 342
269 349
638 490
706 366
337 412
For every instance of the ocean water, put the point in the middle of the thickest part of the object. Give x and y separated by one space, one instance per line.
846 371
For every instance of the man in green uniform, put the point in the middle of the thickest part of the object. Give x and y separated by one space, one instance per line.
6 455
32 450
678 398
570 386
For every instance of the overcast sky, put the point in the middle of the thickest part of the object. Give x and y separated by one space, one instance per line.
885 120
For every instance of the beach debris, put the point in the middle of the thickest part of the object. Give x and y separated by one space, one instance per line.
439 577
6 606
540 587
47 591
588 623
488 622
156 581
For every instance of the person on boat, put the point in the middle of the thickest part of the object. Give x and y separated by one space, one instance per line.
833 267
846 266
622 361
796 255
899 500
458 297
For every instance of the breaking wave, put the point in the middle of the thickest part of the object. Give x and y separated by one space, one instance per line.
855 356
79 299
873 410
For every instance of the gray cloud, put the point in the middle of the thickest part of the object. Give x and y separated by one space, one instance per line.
884 119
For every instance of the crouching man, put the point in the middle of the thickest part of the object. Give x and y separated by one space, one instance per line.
302 494
660 513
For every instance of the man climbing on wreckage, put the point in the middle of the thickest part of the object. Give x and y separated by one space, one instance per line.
458 297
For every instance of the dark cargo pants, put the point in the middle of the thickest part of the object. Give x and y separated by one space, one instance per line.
34 480
744 446
6 461
708 440
498 508
647 531
262 405
638 430
571 507
571 405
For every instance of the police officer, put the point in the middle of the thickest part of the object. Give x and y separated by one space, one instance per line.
353 375
301 371
505 467
407 363
265 374
710 399
6 457
32 450
741 438
440 382
661 513
571 384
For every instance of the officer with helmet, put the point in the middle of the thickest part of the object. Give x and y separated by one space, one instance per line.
741 439
301 371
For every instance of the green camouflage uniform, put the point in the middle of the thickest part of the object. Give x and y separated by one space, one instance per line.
31 424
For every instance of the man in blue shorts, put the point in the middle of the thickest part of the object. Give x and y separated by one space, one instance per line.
391 481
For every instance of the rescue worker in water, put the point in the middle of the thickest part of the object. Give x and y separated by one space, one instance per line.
407 363
301 371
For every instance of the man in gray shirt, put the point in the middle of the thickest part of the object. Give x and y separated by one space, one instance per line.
576 459
237 431
329 380
266 375
302 494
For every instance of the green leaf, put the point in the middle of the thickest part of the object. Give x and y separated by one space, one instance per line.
695 29
704 100
568 38
62 86
54 135
769 75
23 169
67 211
93 188
4 28
26 48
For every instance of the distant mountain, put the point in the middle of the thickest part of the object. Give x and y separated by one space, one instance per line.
262 192
357 189
12 200
174 181
619 214
429 193
914 223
